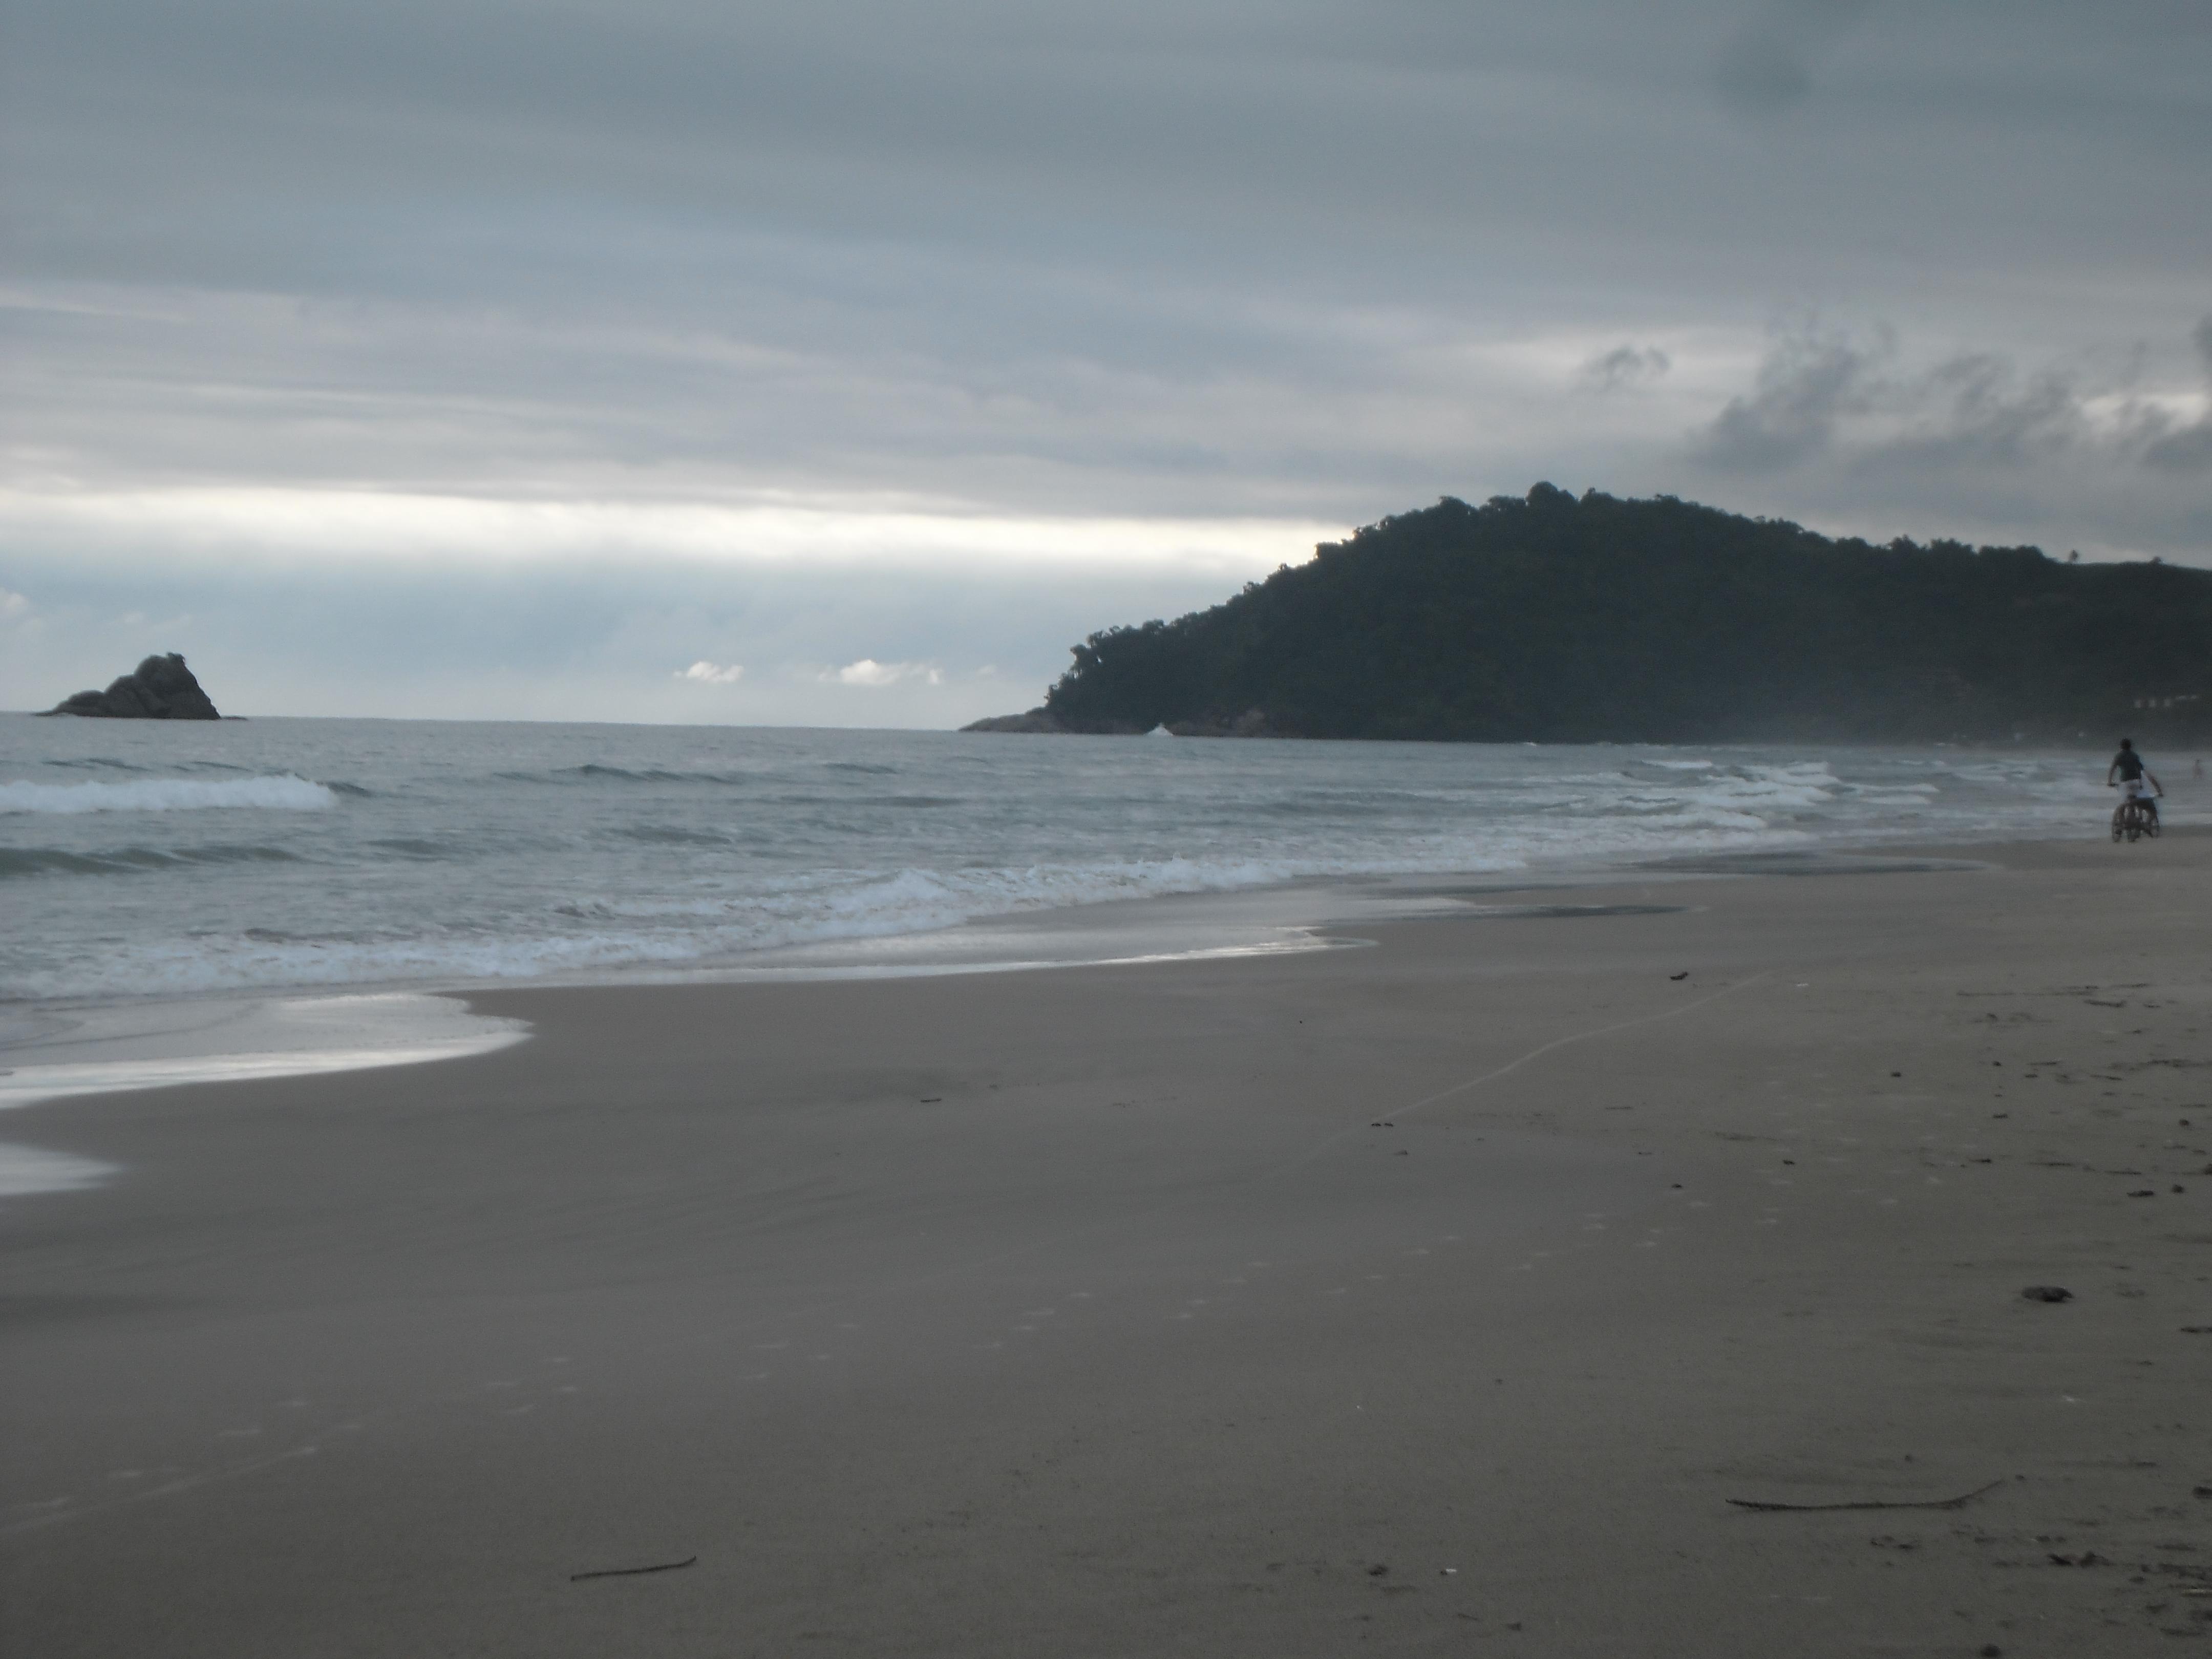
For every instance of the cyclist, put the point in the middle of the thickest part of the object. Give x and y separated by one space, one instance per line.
2133 779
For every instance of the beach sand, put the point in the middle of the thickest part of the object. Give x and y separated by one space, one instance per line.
1434 1297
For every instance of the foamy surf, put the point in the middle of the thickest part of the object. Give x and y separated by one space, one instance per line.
59 1053
281 794
101 1050
446 853
27 1169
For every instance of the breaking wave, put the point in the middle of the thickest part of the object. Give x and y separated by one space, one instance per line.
442 852
283 793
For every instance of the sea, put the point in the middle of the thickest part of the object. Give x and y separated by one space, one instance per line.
185 895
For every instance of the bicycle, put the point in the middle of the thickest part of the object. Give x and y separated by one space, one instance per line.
2133 819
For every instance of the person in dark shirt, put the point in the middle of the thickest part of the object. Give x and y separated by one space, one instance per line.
2133 779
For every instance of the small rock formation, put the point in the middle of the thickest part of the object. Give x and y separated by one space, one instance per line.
162 689
1252 723
1038 719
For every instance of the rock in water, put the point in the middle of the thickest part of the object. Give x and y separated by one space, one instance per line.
1036 721
162 689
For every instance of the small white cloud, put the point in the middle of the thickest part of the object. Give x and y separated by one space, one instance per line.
13 604
712 673
869 671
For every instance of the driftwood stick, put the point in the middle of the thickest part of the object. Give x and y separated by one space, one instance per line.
632 1572
1875 1504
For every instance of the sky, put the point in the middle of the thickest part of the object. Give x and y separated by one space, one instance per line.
846 362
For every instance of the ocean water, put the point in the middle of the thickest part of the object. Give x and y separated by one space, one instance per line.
199 861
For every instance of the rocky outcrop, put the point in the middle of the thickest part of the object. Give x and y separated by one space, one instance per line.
1036 721
162 689
1252 723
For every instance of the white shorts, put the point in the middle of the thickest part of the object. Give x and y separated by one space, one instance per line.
2136 789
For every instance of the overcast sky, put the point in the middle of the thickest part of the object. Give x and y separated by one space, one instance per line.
844 362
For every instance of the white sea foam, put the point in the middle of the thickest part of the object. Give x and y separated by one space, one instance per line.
27 1169
58 1054
103 1050
281 794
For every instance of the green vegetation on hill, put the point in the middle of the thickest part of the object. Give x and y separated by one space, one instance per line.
1559 620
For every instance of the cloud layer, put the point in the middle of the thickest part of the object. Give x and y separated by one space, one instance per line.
1017 300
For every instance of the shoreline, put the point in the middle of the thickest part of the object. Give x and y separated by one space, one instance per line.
1154 1308
688 856
116 1042
74 1046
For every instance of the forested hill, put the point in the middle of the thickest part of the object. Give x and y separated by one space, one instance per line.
1560 620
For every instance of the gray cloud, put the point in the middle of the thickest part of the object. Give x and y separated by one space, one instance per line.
1623 367
2056 453
1825 394
1978 411
2190 449
1807 384
1767 65
1310 262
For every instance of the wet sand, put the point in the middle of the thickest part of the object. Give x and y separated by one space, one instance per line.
1432 1296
